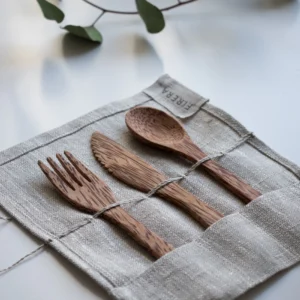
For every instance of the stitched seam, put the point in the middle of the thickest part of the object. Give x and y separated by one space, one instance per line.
71 133
277 160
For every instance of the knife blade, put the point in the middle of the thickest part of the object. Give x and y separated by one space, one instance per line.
137 173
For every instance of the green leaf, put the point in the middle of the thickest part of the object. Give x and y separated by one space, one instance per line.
50 11
89 33
151 15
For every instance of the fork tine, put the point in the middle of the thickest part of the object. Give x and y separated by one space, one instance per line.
72 171
89 175
55 179
61 173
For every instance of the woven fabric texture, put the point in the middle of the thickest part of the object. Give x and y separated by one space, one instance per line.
250 244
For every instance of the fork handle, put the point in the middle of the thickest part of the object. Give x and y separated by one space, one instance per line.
142 235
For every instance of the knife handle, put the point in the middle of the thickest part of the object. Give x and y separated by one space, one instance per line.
142 235
200 211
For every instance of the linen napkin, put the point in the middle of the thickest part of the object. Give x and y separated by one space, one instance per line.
250 244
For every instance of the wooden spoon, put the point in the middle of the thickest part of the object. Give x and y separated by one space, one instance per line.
159 129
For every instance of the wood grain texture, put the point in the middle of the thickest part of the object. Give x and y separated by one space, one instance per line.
87 192
159 129
137 173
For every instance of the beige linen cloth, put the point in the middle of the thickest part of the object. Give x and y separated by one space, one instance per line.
250 244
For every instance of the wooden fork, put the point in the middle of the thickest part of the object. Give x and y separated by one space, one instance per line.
87 192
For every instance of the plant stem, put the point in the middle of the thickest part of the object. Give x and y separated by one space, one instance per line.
98 18
105 10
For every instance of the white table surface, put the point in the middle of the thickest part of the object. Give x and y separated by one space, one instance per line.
242 54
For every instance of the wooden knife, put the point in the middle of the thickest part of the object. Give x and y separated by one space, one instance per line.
140 175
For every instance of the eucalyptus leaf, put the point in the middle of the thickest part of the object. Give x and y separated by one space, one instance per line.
151 15
50 11
89 33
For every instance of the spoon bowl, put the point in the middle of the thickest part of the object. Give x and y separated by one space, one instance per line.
155 126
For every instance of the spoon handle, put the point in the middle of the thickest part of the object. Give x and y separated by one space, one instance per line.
142 235
232 182
200 211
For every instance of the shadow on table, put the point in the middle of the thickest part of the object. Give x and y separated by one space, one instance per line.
73 46
147 61
3 224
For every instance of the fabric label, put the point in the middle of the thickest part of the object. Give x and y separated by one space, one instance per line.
178 99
